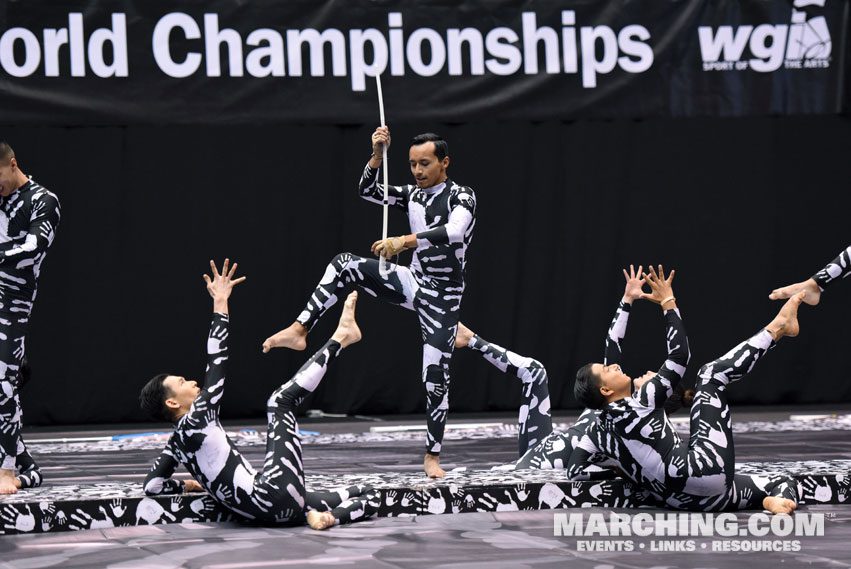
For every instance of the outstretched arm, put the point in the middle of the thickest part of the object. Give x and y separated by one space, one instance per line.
656 391
617 329
220 287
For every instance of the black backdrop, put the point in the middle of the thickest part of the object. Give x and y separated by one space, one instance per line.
737 206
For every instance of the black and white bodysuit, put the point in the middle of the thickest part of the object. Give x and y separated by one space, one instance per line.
539 446
443 218
28 220
635 431
839 268
277 492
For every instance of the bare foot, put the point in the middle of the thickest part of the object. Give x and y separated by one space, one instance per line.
431 464
809 285
294 338
463 337
786 321
347 332
320 520
777 505
9 484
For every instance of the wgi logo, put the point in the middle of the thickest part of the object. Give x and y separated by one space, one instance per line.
805 43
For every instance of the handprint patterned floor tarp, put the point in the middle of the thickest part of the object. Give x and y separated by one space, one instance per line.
97 484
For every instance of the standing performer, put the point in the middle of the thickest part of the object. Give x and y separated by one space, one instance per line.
442 215
28 221
636 433
200 443
839 268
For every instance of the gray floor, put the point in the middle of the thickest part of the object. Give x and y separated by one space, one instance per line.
501 539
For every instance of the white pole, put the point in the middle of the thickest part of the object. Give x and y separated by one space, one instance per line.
382 264
384 159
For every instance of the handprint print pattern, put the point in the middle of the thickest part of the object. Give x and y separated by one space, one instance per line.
443 217
277 492
636 432
29 217
839 268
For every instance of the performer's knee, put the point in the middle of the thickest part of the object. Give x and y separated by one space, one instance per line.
285 398
533 372
704 374
341 260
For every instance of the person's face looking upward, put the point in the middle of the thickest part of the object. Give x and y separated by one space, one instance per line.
612 379
183 392
428 171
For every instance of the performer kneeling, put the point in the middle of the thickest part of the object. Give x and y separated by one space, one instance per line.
199 442
635 432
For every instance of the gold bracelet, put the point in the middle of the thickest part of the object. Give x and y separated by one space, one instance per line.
669 299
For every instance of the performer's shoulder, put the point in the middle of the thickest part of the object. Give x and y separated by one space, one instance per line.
40 193
456 187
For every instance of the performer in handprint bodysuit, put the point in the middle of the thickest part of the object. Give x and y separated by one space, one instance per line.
634 431
277 492
442 216
29 216
539 445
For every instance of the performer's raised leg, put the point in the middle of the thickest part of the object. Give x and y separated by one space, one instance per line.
344 272
839 268
282 480
534 420
711 456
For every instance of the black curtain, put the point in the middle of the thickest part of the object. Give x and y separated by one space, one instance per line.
736 206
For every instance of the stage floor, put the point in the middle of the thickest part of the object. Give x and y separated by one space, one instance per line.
813 440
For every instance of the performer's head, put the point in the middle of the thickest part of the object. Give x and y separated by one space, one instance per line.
429 159
11 177
168 397
598 384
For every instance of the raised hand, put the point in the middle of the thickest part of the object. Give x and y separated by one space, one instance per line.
634 282
221 285
380 140
661 290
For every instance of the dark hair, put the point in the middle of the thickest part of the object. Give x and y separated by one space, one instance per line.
441 148
681 397
152 398
6 152
586 389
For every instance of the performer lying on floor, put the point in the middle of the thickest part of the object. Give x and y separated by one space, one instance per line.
539 446
199 442
839 268
634 431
